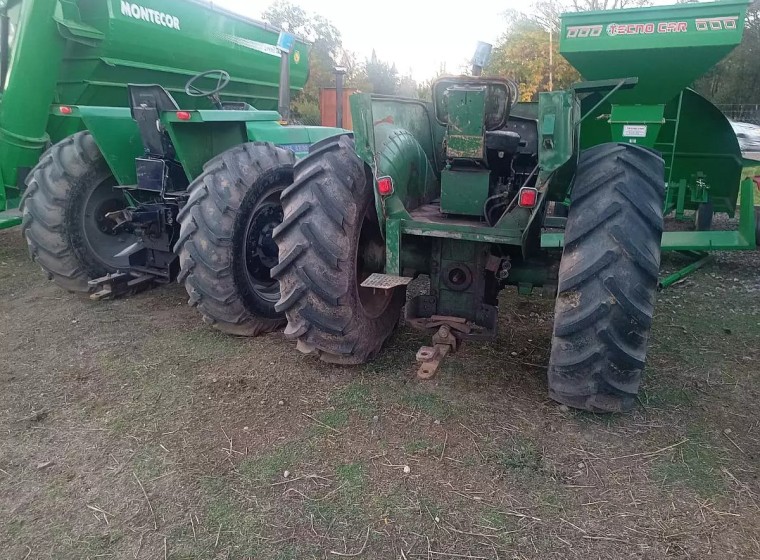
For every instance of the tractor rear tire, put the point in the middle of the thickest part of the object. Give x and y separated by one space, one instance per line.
67 196
225 245
328 236
608 278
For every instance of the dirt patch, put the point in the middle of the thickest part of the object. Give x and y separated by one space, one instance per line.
131 430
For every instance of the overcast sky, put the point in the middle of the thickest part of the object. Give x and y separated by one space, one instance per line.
417 35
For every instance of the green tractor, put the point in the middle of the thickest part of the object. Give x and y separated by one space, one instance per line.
459 190
198 202
55 54
155 183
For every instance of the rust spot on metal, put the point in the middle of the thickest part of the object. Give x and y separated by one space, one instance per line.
386 120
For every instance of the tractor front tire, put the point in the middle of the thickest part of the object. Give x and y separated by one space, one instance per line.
608 278
329 242
225 245
67 196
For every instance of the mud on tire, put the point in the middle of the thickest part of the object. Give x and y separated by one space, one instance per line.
225 247
608 278
328 235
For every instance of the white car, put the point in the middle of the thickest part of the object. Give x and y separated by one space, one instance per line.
748 136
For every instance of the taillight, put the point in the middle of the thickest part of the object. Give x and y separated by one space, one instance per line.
184 115
64 110
528 197
385 186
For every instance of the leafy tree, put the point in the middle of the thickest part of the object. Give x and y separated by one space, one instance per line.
522 54
407 87
736 79
326 53
382 76
378 76
588 5
326 50
548 12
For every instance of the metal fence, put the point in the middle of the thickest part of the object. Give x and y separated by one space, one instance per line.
747 112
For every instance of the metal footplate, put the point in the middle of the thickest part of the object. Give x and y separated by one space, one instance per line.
119 283
379 281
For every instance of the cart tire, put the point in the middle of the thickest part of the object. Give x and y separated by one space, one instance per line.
67 195
703 217
328 233
225 247
608 278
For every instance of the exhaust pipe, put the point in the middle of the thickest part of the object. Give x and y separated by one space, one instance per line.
340 72
285 44
481 57
284 100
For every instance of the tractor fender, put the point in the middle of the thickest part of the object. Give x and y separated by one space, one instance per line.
399 155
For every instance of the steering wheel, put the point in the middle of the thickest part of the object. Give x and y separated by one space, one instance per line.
222 80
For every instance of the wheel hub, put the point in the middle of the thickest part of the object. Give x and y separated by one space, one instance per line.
103 223
260 250
98 230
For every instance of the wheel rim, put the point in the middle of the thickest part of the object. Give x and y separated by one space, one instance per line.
370 257
259 249
99 236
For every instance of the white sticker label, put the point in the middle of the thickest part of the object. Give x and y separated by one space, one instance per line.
253 45
634 130
146 14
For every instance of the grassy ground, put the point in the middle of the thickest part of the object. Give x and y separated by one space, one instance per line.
130 430
753 172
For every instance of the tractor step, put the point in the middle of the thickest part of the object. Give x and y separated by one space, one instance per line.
10 218
118 284
379 281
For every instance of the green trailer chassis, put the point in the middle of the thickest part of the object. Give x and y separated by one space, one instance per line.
694 243
741 239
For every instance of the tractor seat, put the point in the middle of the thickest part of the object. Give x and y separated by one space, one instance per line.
147 102
502 141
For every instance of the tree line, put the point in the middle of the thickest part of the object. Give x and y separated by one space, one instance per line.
522 53
327 51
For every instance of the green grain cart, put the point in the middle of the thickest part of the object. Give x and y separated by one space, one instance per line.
458 190
141 183
57 53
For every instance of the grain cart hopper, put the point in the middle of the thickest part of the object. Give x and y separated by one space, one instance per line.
81 52
158 190
703 161
458 190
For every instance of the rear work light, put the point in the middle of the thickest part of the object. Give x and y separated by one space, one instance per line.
64 110
385 186
184 115
527 198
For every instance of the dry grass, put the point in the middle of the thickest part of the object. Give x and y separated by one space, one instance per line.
129 431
